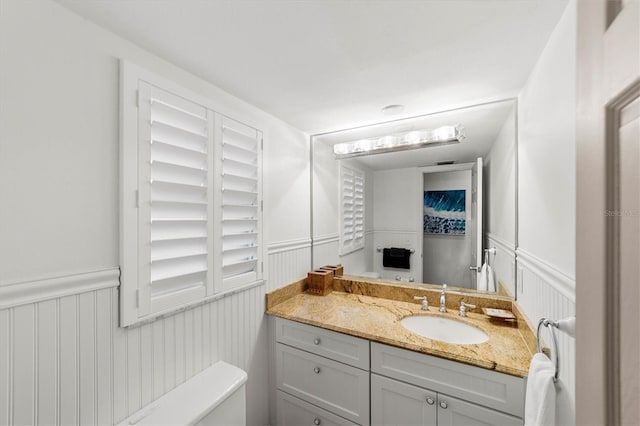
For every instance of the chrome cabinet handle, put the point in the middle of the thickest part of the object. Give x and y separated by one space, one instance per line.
443 404
316 341
316 370
473 268
430 401
316 421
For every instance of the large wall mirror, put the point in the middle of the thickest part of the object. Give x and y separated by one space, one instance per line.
430 215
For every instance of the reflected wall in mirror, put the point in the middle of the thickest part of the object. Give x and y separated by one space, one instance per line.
392 198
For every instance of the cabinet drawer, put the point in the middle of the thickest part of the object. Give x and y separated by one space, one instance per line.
336 387
489 388
293 411
458 412
340 347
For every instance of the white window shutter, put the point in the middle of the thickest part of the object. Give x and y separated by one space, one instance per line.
351 209
191 199
240 204
174 195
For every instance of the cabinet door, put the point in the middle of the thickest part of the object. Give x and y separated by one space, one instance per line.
397 403
293 411
453 412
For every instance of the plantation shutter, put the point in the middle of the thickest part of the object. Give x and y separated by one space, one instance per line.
240 204
352 209
175 191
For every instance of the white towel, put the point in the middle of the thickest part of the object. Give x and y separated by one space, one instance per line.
540 399
491 279
486 279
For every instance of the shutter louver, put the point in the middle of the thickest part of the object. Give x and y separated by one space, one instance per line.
241 204
175 191
352 213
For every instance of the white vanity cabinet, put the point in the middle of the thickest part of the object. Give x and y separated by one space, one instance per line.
425 390
328 378
398 403
322 376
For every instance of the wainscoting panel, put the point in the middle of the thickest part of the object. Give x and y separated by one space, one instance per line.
544 292
66 361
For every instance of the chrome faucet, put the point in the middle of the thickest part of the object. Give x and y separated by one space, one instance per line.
443 300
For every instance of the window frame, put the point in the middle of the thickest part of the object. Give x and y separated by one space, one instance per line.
129 213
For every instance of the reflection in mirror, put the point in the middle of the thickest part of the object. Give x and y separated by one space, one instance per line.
431 215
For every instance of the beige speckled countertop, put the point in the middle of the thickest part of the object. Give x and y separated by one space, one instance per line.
353 310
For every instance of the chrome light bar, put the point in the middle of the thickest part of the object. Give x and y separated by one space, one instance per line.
411 140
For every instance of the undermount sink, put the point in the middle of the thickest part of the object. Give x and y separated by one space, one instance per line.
444 329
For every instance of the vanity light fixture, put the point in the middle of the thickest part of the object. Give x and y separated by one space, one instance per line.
411 140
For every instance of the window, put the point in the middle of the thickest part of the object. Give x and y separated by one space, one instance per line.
191 206
351 209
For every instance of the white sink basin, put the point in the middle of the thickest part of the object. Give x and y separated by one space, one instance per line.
444 329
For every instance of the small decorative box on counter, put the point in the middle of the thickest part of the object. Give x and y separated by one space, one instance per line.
338 270
320 282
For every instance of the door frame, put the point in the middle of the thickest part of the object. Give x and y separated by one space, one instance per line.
420 172
597 274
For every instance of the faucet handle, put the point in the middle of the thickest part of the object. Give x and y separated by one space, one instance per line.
444 287
463 308
425 303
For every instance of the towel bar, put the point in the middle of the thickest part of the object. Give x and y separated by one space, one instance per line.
550 325
379 249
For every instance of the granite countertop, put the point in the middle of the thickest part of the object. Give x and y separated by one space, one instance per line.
357 308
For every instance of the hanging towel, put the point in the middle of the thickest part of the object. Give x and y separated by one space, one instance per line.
491 279
483 279
486 279
396 258
540 399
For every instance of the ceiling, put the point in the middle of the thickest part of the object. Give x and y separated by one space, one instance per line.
324 65
481 126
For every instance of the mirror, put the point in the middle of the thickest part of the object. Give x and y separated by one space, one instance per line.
444 205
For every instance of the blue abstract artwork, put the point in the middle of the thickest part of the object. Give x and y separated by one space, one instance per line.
444 212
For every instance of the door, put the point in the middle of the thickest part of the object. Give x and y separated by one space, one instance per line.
397 403
477 220
608 212
454 412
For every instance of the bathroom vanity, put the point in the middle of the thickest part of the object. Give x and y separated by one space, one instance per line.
345 359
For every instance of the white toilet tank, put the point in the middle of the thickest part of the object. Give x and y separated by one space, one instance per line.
214 397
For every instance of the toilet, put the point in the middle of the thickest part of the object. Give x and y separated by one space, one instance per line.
214 397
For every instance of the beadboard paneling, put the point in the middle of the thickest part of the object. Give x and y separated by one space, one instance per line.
288 262
540 296
66 360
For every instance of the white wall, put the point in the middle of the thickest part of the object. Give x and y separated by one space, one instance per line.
65 360
546 194
500 203
546 152
500 183
396 219
446 258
